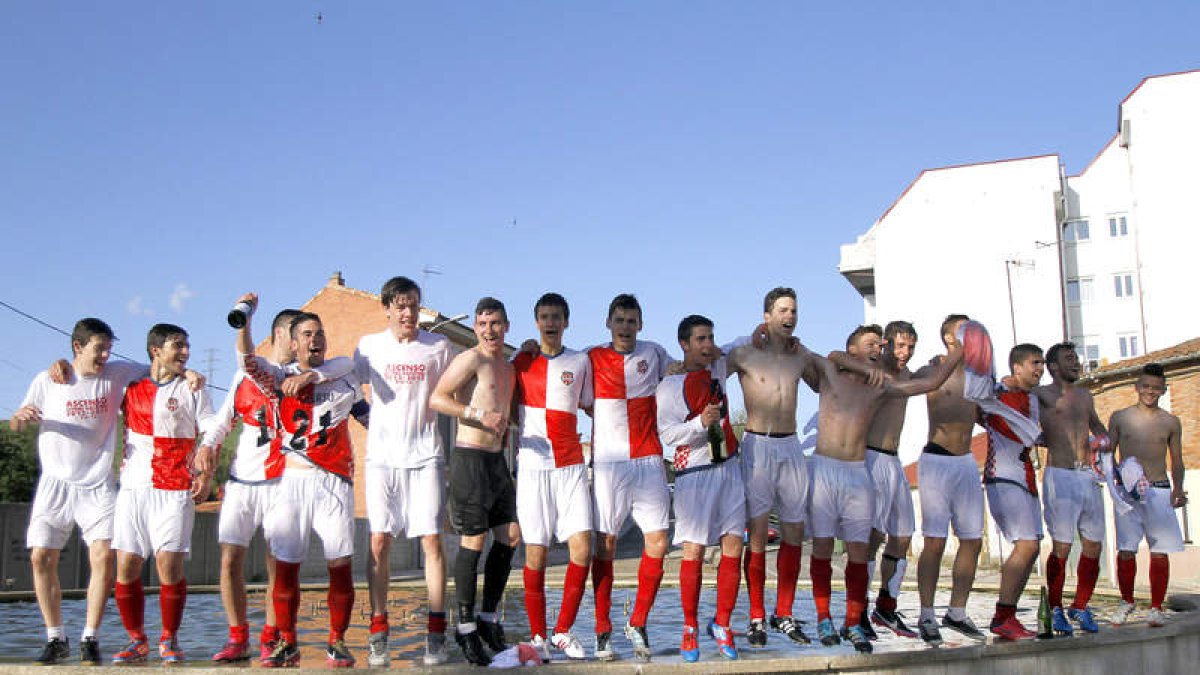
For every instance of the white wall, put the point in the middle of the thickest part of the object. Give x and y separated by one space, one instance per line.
1164 169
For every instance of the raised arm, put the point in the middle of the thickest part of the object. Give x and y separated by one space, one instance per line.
875 375
930 381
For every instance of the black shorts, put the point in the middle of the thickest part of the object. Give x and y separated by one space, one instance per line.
482 494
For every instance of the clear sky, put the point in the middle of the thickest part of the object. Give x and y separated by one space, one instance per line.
158 159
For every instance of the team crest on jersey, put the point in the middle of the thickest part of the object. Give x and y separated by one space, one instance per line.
172 404
568 377
642 367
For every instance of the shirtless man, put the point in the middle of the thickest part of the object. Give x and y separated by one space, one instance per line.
893 498
1071 496
1008 478
477 389
775 469
842 499
1149 433
948 482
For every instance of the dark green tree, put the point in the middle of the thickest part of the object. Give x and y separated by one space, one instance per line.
18 464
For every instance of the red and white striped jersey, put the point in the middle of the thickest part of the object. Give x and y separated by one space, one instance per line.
1008 457
162 424
258 456
76 437
681 399
549 393
315 424
624 423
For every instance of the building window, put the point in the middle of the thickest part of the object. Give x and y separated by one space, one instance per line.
1129 346
1118 226
1087 348
1123 285
1076 231
1079 291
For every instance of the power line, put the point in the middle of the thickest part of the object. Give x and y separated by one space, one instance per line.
56 329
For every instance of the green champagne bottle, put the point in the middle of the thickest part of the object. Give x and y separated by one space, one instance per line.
1045 627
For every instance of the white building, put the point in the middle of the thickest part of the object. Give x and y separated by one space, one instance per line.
1037 256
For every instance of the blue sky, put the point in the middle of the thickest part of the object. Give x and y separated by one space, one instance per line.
159 159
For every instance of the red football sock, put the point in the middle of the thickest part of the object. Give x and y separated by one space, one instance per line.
1126 572
269 633
650 574
239 633
756 582
602 583
822 580
1160 573
691 576
1088 572
436 623
171 600
856 591
728 579
787 565
573 587
535 601
131 602
340 600
1055 578
286 599
1003 613
379 623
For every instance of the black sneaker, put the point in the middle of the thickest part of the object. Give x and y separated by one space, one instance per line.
492 634
756 634
966 627
864 623
640 640
930 633
791 628
285 655
56 649
604 650
89 652
893 621
472 647
854 636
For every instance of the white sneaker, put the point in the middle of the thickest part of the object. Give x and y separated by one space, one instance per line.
435 649
543 648
1120 615
377 650
1156 618
568 644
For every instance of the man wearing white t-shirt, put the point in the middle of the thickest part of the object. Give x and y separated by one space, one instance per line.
628 477
75 450
405 459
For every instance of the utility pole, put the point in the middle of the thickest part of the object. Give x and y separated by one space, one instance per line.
210 358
